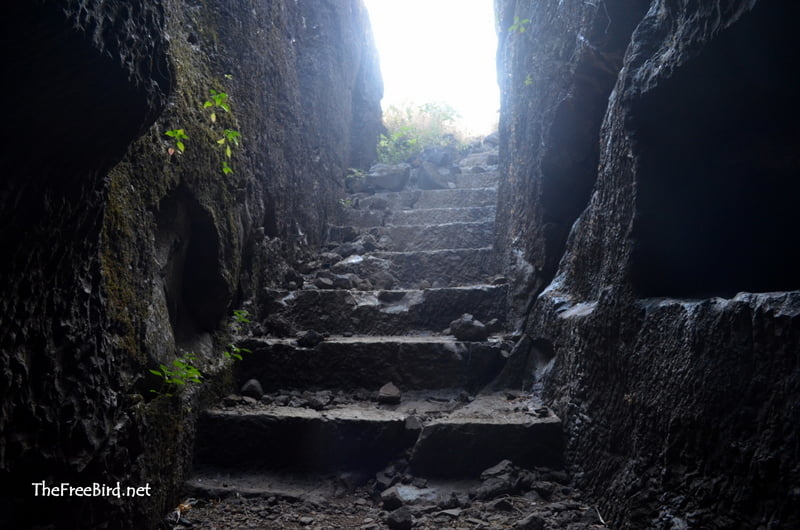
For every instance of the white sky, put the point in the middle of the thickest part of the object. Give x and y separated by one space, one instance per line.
439 50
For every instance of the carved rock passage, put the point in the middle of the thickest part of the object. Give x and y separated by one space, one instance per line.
309 419
119 255
679 389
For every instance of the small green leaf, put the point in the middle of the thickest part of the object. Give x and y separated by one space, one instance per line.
213 117
228 151
180 146
225 107
207 104
221 141
156 372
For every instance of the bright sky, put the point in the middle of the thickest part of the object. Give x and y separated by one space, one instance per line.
439 50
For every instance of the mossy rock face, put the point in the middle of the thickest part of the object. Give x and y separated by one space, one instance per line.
123 254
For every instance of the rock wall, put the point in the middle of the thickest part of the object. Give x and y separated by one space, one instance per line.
121 256
649 152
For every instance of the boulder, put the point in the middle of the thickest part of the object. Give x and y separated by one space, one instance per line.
252 388
428 177
466 328
388 177
389 394
309 339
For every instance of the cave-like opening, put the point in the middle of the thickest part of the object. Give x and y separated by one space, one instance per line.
719 165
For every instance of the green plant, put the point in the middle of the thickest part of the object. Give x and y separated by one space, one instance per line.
240 317
528 80
413 128
217 100
178 135
519 25
235 352
181 373
355 174
229 137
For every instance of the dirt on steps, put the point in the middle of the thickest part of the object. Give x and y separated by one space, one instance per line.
506 496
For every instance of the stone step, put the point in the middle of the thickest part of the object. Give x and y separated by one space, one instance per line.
489 429
293 438
439 268
392 312
449 198
431 216
436 236
412 362
450 436
363 218
469 179
311 487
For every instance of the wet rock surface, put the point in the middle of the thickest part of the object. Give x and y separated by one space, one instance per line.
657 297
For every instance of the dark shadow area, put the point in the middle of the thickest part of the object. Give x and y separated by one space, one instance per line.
719 145
189 248
569 164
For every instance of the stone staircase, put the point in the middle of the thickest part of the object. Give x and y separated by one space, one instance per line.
375 311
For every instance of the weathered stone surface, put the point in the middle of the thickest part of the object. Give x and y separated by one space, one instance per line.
450 267
309 338
400 519
385 177
466 327
429 178
385 312
439 236
660 383
358 362
299 438
449 198
429 216
484 432
120 252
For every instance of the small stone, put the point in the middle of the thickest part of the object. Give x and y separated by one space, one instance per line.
424 284
531 522
466 328
309 339
318 400
323 283
494 326
252 388
344 281
503 505
383 481
382 280
452 512
400 519
419 482
305 521
413 423
494 487
504 467
231 401
390 498
389 394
